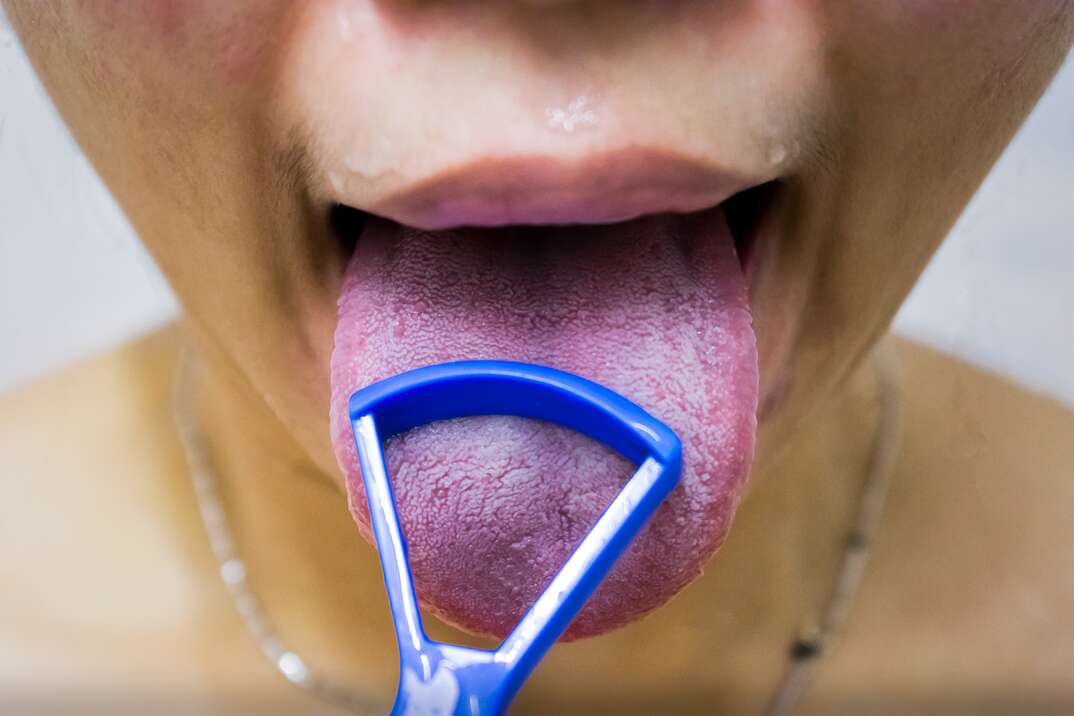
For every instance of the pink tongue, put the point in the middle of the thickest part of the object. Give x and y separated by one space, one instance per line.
655 309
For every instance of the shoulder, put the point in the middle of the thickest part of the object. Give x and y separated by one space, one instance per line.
99 391
77 437
115 593
102 584
981 446
80 455
967 602
992 412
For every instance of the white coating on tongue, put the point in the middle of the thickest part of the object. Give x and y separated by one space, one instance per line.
655 309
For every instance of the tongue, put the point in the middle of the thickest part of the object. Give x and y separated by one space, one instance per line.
654 309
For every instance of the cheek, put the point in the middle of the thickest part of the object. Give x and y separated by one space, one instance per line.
220 43
165 19
999 25
161 22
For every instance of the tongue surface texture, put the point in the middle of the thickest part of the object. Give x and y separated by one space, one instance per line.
655 309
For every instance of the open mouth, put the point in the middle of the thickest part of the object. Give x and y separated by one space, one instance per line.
655 307
743 210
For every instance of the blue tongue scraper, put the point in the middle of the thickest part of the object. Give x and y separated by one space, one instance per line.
451 680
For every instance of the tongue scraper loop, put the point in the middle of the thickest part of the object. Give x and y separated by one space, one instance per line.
446 679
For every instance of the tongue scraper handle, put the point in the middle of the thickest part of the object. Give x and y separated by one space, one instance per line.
451 680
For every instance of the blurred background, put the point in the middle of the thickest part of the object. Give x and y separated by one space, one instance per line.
74 280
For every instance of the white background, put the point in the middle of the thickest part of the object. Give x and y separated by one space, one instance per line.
74 280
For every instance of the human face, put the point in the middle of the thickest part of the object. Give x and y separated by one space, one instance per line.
247 141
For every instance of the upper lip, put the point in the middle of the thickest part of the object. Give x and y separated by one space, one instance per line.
606 187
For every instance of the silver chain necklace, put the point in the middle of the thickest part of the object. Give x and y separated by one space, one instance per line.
232 568
805 651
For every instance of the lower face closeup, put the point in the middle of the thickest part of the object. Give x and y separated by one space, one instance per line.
712 208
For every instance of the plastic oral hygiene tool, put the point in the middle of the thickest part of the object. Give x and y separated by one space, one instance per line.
447 679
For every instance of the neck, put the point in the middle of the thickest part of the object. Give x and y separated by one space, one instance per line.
320 584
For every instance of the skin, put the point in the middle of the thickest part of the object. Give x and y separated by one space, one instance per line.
227 132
